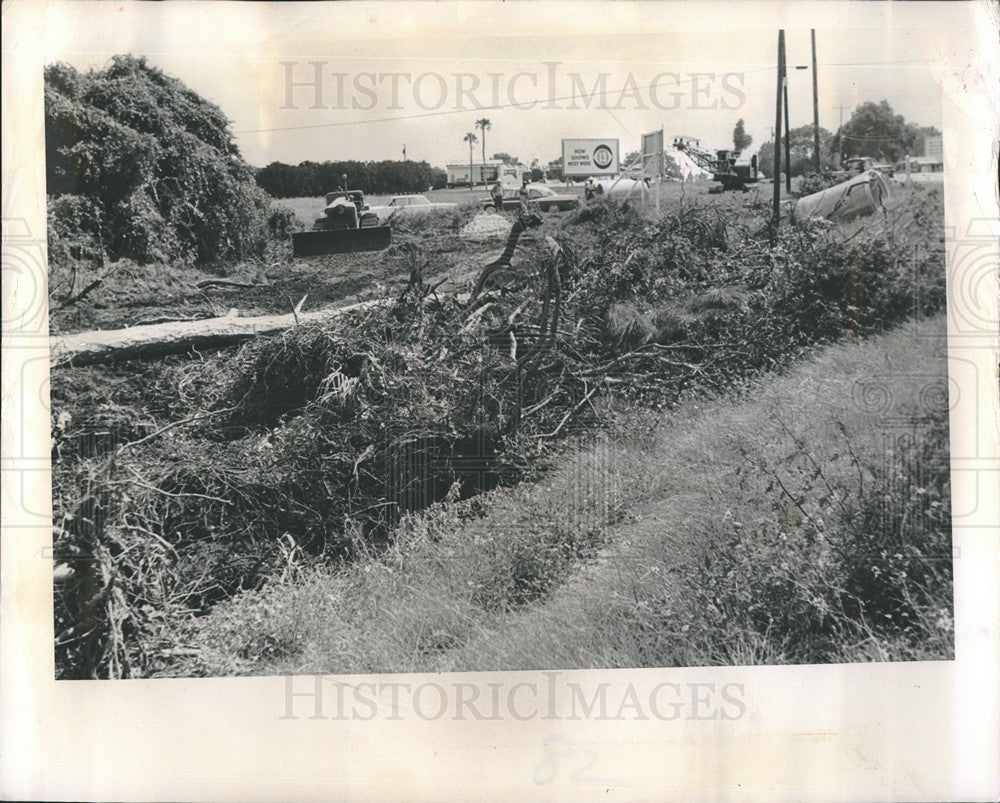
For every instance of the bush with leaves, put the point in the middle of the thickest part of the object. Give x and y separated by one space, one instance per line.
156 162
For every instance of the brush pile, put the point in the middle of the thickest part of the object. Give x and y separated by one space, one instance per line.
310 445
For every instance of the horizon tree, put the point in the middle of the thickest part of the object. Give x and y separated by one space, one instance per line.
484 124
741 140
472 139
506 158
875 130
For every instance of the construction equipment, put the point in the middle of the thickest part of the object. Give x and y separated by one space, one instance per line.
347 226
725 166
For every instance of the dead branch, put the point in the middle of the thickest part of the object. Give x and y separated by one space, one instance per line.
569 413
82 294
206 284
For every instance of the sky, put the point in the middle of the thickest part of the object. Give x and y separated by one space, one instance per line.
328 81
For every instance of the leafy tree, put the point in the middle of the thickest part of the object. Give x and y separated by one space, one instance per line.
875 131
310 179
506 158
741 140
155 162
670 167
801 145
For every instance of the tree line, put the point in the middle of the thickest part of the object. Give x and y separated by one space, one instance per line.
873 130
311 179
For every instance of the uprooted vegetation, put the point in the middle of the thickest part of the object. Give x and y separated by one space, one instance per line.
779 524
309 448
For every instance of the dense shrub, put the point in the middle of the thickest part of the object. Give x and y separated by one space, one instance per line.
156 162
705 281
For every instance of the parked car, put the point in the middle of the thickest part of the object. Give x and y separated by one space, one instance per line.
410 205
539 196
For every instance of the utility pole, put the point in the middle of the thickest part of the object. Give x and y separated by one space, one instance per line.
817 164
404 151
788 146
840 137
776 204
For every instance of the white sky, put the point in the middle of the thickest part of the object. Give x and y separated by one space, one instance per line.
232 53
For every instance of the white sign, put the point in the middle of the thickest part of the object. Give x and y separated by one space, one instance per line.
590 157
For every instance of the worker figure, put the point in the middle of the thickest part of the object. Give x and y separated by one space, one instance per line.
522 196
497 194
589 189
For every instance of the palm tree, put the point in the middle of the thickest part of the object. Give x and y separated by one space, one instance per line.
472 139
484 125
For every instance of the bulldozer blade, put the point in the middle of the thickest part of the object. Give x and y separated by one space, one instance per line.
342 241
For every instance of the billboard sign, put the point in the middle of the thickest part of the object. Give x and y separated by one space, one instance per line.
590 157
652 154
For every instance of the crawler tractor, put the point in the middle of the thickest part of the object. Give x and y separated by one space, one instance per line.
346 226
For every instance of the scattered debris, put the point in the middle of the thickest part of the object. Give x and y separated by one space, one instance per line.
486 226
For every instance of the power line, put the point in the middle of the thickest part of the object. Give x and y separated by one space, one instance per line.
498 106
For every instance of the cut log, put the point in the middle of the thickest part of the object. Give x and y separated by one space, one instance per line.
157 340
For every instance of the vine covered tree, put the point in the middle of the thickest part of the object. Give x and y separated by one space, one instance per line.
142 167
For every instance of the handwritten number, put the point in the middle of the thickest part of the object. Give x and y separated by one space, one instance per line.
545 772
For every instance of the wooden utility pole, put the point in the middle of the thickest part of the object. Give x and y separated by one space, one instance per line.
788 145
817 164
776 207
840 136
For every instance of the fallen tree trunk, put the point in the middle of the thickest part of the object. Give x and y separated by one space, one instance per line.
157 340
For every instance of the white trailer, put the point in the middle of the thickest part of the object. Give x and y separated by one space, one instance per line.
483 174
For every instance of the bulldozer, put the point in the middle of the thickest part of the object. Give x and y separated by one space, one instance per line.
345 227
